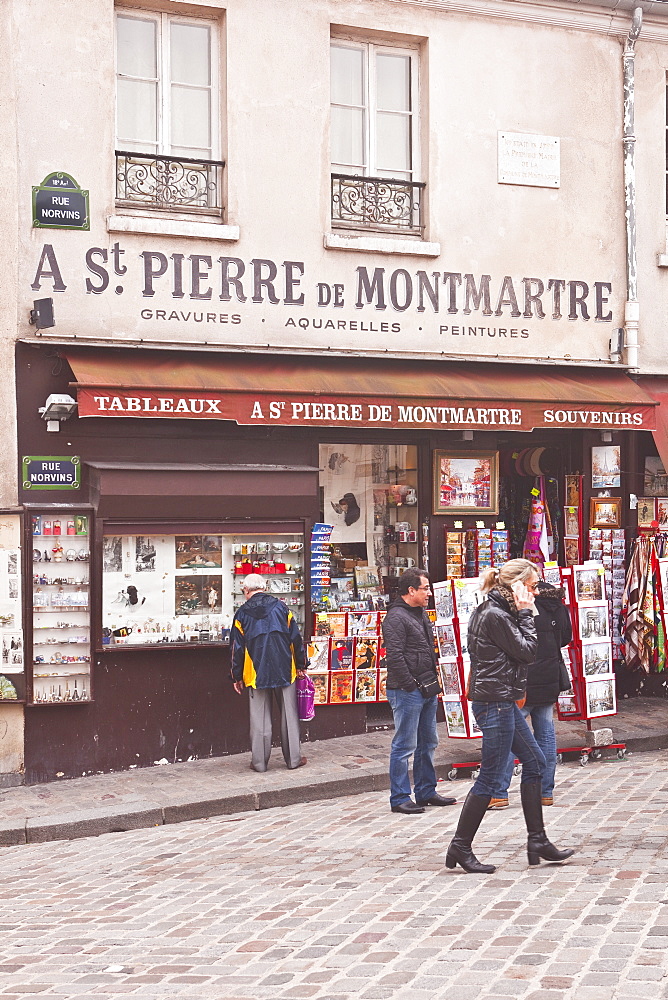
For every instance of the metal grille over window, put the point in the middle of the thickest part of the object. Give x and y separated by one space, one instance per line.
167 182
383 203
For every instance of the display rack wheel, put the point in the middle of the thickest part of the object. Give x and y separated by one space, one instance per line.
584 760
452 775
621 754
517 769
560 758
475 774
596 755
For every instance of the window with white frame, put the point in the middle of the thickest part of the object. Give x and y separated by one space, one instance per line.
167 110
374 135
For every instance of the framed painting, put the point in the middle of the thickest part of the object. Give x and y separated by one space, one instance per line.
605 512
573 490
646 511
572 521
662 512
466 482
606 467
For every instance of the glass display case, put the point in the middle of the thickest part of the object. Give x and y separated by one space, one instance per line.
12 671
60 608
370 498
184 587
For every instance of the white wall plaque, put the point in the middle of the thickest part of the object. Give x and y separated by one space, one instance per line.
529 159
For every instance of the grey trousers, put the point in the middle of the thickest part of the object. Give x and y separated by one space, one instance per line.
260 703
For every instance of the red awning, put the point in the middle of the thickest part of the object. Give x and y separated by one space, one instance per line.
657 388
361 392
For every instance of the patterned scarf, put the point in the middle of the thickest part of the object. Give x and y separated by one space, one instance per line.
640 606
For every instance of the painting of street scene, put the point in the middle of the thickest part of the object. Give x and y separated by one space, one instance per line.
596 658
444 601
588 585
601 697
454 717
465 482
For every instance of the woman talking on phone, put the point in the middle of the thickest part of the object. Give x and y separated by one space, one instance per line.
502 643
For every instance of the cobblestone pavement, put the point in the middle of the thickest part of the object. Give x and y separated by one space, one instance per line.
341 899
180 791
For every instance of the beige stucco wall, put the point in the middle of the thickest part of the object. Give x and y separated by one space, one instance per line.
479 75
9 255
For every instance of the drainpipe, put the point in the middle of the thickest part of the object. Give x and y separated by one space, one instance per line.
632 307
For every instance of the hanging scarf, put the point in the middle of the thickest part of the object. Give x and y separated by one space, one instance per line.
536 548
638 607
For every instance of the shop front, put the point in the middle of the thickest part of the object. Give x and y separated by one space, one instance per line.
194 468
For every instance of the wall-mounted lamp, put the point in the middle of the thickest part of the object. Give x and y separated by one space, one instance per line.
58 406
616 345
606 437
467 435
41 314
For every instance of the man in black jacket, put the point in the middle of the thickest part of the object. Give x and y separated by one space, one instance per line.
412 689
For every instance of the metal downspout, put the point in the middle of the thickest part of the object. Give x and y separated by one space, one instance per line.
632 308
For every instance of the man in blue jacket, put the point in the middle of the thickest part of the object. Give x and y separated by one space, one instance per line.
268 656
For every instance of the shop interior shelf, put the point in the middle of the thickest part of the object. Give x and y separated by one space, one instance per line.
44 675
60 642
50 628
59 608
59 663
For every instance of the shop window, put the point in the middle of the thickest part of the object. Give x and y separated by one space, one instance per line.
184 586
369 495
167 113
374 138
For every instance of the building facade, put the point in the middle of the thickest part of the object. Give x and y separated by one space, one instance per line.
298 253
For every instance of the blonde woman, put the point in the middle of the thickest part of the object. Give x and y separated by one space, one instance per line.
502 643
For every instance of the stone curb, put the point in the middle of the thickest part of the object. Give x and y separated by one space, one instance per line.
92 822
141 814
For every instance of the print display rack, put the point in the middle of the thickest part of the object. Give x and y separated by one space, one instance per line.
60 634
468 553
588 659
608 547
347 658
454 603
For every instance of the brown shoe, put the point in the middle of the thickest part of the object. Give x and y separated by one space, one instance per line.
498 804
302 761
549 801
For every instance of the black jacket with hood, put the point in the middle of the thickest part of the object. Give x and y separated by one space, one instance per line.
553 627
409 645
502 643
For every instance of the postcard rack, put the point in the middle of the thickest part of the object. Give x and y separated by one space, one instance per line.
347 658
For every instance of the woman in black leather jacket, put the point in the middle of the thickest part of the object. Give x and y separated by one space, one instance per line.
502 643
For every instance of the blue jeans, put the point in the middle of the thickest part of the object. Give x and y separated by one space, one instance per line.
504 729
542 723
414 733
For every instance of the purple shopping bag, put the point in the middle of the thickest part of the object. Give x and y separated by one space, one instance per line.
305 698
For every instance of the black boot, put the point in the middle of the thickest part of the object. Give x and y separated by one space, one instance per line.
538 846
459 851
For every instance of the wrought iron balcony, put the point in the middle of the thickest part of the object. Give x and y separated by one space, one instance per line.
161 182
377 203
